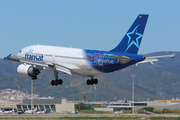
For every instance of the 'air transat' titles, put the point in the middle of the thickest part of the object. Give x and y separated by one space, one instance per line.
34 57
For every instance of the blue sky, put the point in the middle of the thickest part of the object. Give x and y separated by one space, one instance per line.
92 24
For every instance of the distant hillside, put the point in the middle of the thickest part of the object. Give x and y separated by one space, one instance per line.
159 81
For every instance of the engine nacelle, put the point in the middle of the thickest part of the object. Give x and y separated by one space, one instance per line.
27 71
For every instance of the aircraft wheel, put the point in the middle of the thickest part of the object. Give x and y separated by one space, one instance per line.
34 77
60 81
92 81
88 82
95 81
56 82
52 82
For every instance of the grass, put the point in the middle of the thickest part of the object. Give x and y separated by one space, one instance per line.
68 118
87 116
164 118
95 112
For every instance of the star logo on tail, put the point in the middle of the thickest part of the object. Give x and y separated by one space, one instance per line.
133 38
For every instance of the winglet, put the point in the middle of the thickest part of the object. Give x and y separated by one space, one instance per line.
9 56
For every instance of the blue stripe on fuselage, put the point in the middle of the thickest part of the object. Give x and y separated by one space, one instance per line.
102 61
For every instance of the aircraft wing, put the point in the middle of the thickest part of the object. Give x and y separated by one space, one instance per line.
155 58
65 68
12 58
60 67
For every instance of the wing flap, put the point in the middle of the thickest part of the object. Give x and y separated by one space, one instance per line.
68 66
34 63
63 69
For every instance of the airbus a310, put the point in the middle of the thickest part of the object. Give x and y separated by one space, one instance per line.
84 62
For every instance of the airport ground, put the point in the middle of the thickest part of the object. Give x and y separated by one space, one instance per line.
91 117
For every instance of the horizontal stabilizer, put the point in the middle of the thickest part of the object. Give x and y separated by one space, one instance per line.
155 58
159 57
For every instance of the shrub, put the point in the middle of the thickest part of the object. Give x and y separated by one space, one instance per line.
140 111
99 106
127 111
166 110
150 109
82 106
157 111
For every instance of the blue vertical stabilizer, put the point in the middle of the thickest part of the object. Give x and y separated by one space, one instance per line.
131 41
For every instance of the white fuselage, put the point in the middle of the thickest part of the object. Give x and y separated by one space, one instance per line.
69 57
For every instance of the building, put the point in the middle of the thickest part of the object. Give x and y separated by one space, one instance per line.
7 105
156 104
56 105
64 107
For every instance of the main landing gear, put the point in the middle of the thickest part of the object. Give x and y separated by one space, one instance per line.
56 81
92 81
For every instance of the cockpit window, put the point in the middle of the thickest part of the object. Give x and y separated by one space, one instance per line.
20 51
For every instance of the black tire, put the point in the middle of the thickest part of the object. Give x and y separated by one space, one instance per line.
95 81
52 82
88 82
56 82
60 81
34 77
92 81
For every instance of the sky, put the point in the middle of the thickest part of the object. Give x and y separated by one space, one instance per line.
87 24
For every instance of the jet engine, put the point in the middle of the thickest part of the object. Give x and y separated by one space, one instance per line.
27 71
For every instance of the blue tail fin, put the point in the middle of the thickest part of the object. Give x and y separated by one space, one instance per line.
131 41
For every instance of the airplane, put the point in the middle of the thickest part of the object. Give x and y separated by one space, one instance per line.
41 112
118 112
84 62
148 113
30 111
1 111
9 111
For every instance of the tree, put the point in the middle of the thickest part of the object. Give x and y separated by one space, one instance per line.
84 98
157 111
82 106
126 101
166 110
